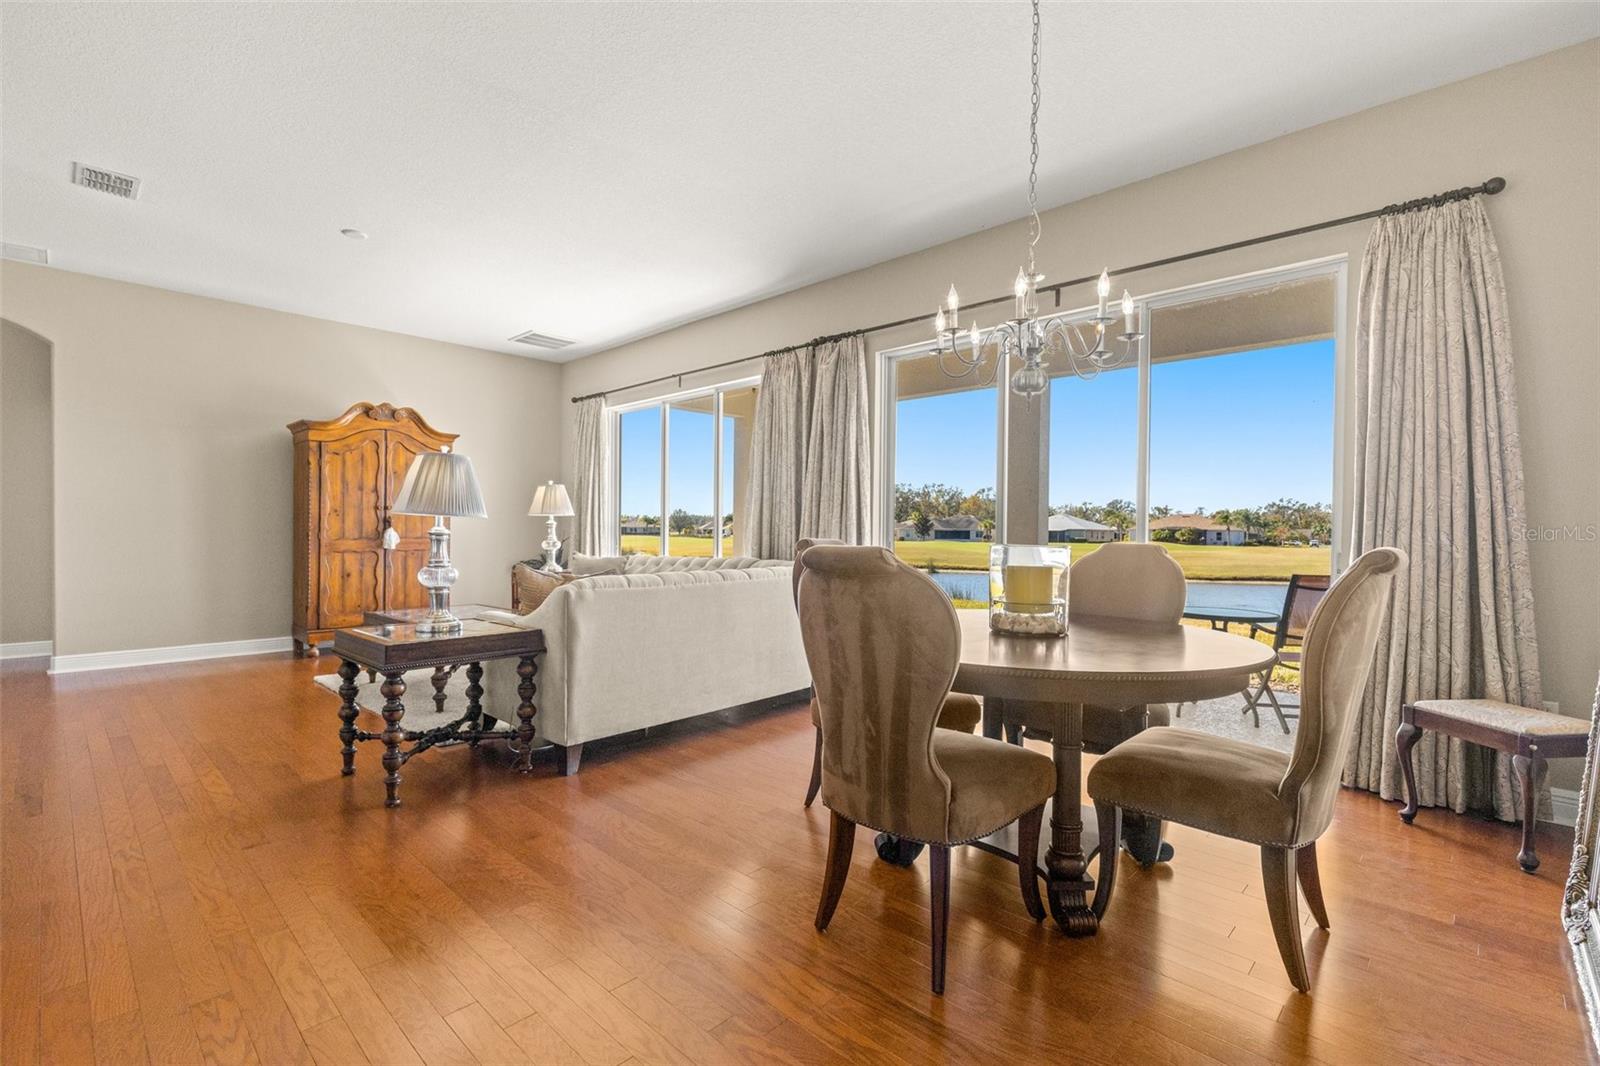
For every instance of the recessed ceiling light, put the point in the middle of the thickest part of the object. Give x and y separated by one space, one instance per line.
354 234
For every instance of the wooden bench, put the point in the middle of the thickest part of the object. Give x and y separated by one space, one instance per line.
1528 736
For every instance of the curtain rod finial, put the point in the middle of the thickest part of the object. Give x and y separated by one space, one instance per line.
1494 185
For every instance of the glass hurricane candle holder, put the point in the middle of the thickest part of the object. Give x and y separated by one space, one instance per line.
1028 589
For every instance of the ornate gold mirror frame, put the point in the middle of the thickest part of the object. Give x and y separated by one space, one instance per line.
1578 906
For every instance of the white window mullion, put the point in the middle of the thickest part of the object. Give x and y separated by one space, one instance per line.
1141 519
716 476
666 418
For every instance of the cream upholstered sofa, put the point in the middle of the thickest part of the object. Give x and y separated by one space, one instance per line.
639 641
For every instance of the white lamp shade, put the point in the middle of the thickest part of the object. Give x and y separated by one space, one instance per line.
551 500
440 483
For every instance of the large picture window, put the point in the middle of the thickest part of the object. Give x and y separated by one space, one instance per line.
1218 441
682 468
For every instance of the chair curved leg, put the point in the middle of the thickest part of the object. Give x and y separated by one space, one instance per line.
816 771
1405 738
841 839
1305 864
1028 861
1109 818
1283 904
939 888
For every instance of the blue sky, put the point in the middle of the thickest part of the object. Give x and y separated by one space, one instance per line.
1225 431
690 444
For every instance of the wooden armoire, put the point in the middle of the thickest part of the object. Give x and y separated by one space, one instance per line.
346 473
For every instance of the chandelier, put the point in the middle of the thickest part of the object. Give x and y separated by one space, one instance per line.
1084 352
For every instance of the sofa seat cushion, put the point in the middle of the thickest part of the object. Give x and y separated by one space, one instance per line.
1506 717
990 782
1213 783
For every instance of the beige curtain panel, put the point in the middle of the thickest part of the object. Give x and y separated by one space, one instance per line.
810 458
1439 475
590 487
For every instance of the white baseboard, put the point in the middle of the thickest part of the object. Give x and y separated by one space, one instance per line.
1564 804
26 649
178 653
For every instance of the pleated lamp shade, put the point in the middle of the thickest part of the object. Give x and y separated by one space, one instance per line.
440 483
551 499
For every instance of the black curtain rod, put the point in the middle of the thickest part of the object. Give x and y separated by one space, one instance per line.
1488 188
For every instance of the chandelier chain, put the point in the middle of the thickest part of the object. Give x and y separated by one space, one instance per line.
1035 226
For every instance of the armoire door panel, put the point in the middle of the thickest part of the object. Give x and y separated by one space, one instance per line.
351 584
413 529
400 578
352 491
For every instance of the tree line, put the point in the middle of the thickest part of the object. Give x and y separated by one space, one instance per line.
1281 520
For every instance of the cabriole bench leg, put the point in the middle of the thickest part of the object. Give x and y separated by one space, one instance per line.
1405 738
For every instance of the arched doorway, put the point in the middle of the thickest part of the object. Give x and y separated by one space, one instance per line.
27 496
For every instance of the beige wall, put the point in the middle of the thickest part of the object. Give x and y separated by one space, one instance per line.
172 460
27 607
1535 123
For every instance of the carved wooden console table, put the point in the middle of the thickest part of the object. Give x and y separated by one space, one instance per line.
392 650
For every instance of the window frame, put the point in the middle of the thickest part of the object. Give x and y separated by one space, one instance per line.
665 403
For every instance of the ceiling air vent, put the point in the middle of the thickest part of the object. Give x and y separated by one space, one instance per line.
541 340
24 253
123 185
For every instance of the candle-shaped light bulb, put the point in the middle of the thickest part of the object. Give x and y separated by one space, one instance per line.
973 337
938 321
1103 289
1127 311
952 301
1021 284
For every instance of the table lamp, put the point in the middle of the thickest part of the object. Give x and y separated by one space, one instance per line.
550 501
441 484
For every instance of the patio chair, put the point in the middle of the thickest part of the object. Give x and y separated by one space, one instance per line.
1288 638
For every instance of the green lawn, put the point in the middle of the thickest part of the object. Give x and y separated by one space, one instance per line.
1200 562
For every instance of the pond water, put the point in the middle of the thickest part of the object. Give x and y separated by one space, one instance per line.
1248 595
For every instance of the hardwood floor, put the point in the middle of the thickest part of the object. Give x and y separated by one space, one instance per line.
188 879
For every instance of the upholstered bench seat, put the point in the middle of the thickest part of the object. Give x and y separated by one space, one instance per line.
1528 735
1508 717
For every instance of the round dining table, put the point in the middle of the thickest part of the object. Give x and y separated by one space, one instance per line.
1042 683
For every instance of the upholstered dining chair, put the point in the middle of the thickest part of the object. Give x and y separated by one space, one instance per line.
1280 802
1140 582
961 712
883 644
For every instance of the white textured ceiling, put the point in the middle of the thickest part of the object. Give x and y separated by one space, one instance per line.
603 171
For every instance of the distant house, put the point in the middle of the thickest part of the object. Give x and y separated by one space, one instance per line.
637 527
1069 528
708 529
906 531
1209 531
957 527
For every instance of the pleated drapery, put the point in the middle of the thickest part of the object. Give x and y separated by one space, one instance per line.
810 457
1439 475
590 486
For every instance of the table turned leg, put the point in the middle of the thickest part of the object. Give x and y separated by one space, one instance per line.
441 678
394 687
1065 863
474 697
526 668
347 715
